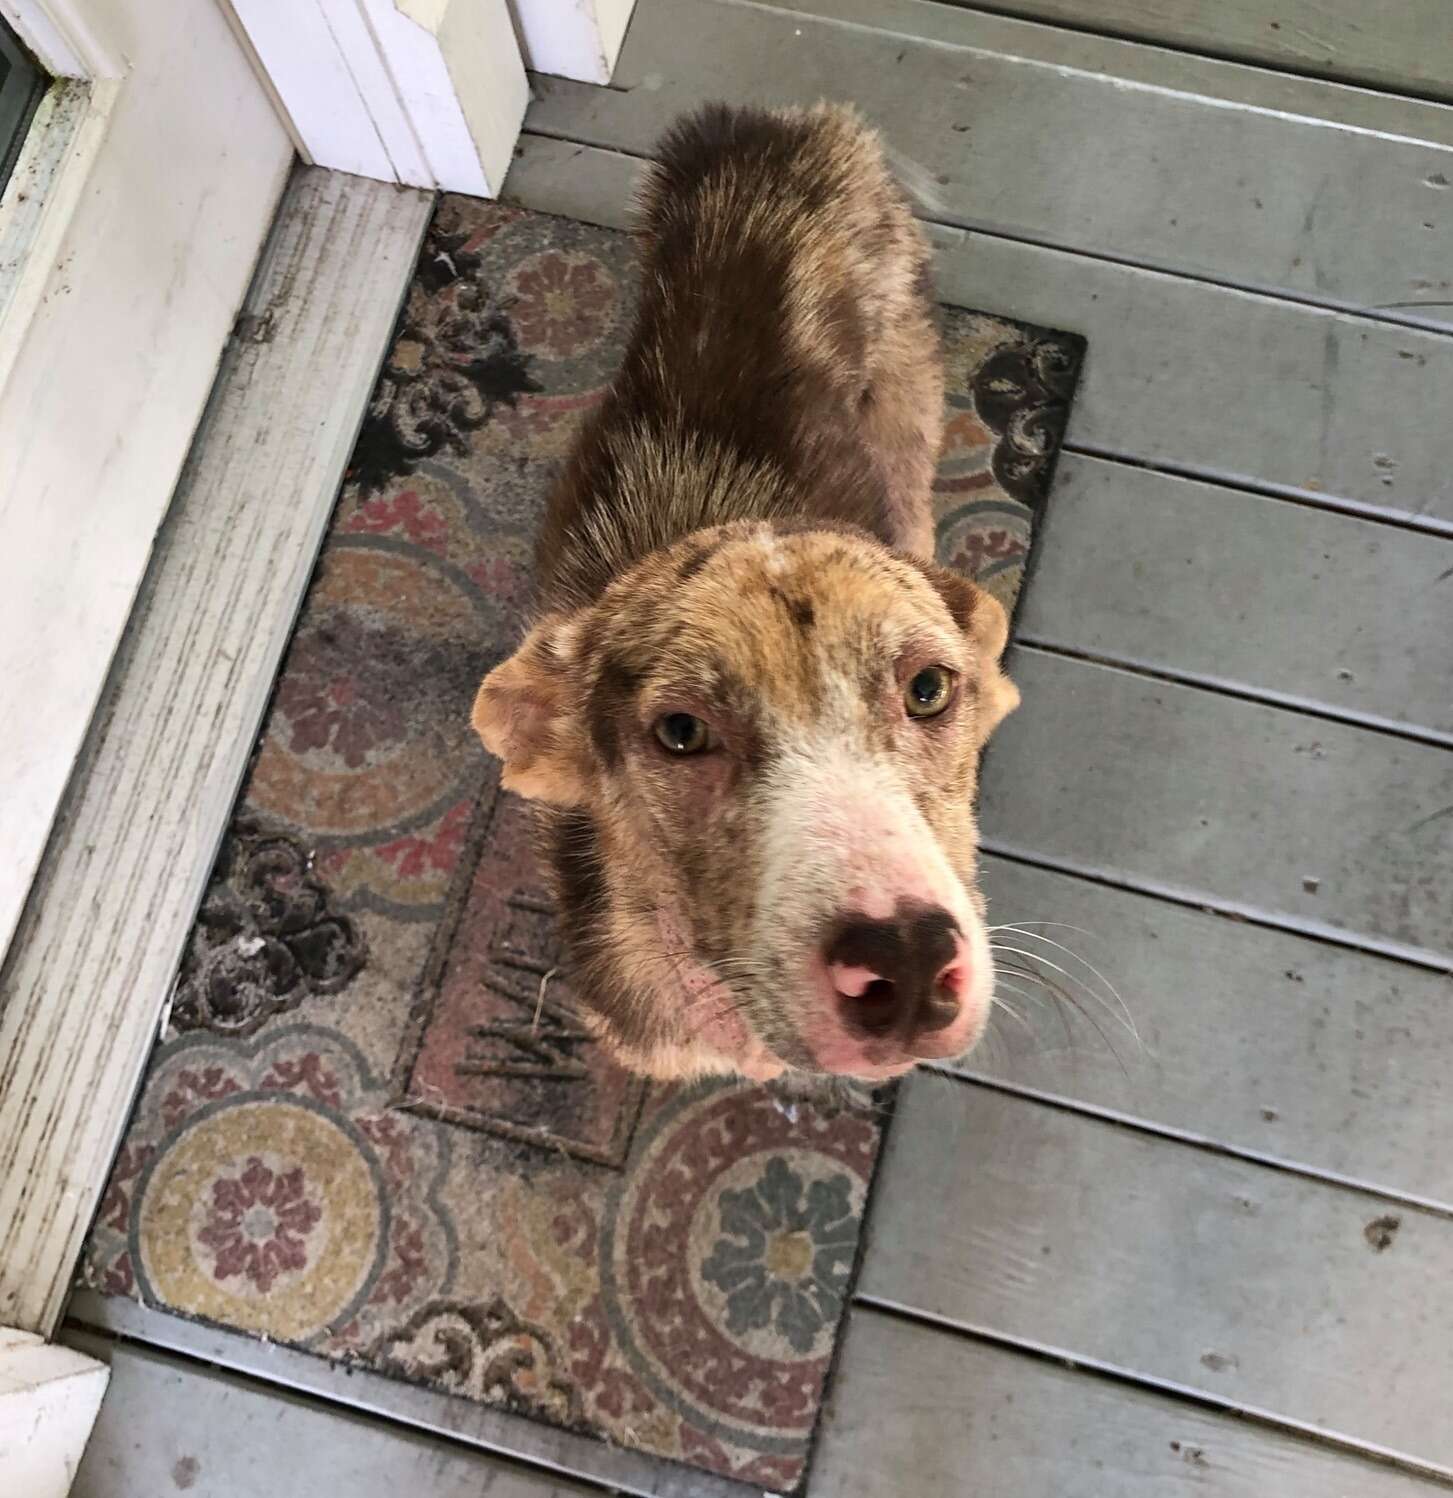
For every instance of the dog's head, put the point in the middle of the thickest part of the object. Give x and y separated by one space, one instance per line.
761 747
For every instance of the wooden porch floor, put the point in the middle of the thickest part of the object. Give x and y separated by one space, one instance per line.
1211 1256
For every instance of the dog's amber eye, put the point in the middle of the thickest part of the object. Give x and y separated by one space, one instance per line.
928 693
680 733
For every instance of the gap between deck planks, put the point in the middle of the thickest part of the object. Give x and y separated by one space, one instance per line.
919 1411
1334 410
1171 162
1309 1303
456 1418
1335 831
1331 613
1289 1049
1391 47
240 1439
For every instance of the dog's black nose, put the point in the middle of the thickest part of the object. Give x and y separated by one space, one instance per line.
903 976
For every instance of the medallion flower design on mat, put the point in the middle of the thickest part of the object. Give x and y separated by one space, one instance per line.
258 1224
784 1261
562 302
403 514
981 549
341 691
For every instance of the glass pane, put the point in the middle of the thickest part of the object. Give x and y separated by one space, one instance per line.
21 85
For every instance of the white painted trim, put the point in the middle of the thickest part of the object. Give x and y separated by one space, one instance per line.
131 271
428 93
50 173
90 967
49 1398
63 38
578 39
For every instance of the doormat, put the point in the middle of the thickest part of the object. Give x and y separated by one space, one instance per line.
372 1129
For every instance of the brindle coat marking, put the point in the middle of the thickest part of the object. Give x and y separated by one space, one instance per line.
743 533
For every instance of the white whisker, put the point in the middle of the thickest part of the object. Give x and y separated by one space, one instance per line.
1115 1014
1090 966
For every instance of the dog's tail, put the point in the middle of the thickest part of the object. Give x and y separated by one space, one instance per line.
737 165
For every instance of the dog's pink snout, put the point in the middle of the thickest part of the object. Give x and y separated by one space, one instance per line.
905 976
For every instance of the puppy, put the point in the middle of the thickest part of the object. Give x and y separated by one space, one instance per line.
751 709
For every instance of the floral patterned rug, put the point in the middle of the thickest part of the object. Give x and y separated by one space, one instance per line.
372 1129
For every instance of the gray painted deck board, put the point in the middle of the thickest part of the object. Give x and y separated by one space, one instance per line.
1255 1286
1020 129
1333 829
923 1412
1261 1040
230 1439
1225 384
450 1418
1248 592
1391 47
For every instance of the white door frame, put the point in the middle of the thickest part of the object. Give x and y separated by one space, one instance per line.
121 270
128 232
426 93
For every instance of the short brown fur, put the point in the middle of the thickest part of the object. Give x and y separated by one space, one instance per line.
743 531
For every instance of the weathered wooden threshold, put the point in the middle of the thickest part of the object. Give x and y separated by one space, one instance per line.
462 1420
88 974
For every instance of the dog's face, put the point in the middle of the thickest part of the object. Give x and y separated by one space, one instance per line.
765 746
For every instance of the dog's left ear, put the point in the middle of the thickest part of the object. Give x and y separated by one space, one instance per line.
983 619
526 712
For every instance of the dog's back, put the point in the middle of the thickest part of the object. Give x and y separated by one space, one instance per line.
785 359
750 704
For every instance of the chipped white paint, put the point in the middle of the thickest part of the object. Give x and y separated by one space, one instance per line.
49 1397
573 38
428 93
91 964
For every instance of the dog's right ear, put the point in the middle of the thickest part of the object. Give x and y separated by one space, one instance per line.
527 713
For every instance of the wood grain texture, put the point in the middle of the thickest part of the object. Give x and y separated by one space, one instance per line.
1393 47
91 964
1260 1040
1260 1288
1224 384
1074 141
237 1439
924 1412
460 1421
1327 828
1247 592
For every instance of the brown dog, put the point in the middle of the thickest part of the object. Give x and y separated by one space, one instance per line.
752 708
